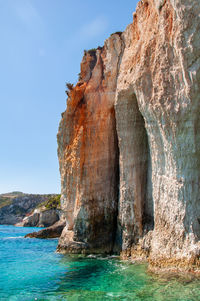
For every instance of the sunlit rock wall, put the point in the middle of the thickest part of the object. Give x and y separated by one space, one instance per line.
129 141
88 154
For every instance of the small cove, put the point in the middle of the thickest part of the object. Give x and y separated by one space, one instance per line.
31 270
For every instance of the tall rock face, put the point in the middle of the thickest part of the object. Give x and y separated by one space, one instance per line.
129 141
88 154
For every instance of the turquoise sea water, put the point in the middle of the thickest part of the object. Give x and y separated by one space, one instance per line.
31 270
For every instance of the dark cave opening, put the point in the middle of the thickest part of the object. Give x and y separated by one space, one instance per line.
135 210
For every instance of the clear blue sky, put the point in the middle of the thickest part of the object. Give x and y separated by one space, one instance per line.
42 43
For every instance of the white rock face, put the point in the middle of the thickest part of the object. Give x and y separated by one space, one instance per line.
161 68
152 73
159 4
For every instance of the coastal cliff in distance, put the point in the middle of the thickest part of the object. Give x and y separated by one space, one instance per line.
29 210
129 142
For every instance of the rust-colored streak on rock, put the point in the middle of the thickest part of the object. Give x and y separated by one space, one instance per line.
89 167
135 111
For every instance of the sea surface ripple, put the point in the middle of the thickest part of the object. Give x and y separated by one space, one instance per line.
30 269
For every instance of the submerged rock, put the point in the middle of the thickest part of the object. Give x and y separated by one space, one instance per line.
129 142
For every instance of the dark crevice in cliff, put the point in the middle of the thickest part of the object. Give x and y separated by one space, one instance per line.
88 64
117 237
141 174
93 62
93 55
144 162
120 55
148 209
136 202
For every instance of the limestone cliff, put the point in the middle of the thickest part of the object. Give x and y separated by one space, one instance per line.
15 206
88 153
46 214
129 141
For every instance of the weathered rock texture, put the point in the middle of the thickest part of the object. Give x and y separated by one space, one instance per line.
53 231
129 141
17 205
40 218
88 153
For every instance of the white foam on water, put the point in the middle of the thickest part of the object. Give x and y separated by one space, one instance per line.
12 237
91 256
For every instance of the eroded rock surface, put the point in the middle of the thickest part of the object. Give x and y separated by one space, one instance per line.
53 231
129 141
17 205
40 218
88 153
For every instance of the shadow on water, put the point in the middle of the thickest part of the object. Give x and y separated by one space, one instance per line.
110 279
83 272
31 270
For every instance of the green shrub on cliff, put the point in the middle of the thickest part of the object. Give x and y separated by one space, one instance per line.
5 201
52 203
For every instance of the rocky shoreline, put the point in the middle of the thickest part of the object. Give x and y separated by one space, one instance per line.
16 206
29 210
53 231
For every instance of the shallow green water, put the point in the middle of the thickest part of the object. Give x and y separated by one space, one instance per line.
31 270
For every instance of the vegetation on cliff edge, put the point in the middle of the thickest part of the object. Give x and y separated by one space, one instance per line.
52 203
